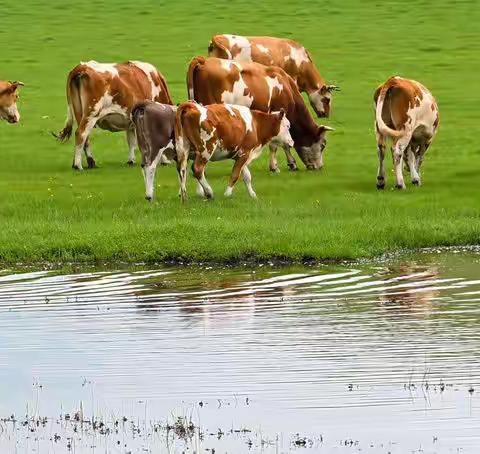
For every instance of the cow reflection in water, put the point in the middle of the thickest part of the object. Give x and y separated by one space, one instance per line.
411 286
216 302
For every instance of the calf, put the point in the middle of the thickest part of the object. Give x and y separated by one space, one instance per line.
287 54
407 113
266 88
223 131
155 130
8 101
103 95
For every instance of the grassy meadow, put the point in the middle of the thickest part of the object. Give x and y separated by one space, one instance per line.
51 213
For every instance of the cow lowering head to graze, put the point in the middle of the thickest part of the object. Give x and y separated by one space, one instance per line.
102 95
266 88
155 130
8 101
287 54
407 113
223 131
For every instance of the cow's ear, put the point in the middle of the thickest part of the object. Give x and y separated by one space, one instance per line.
15 84
281 113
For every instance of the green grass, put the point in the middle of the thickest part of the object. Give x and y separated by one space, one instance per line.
49 212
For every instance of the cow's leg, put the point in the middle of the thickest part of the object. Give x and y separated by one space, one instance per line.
149 174
199 173
132 143
182 148
273 163
412 165
88 154
381 148
398 150
422 149
237 168
81 136
247 179
292 164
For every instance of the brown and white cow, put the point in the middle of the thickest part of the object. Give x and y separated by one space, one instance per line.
155 130
102 95
223 131
287 54
267 88
407 113
8 101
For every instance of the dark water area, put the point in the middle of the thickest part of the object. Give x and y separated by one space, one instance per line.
377 358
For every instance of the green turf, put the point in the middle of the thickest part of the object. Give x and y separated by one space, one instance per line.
49 212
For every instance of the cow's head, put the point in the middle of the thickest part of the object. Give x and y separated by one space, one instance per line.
8 101
312 156
283 137
321 100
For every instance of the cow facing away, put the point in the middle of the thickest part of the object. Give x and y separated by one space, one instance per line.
223 131
8 101
407 113
102 95
155 130
287 54
259 87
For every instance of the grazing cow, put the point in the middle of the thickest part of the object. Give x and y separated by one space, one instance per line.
155 130
266 88
223 131
102 95
406 112
8 101
289 55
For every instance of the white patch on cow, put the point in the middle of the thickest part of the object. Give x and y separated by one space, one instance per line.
227 64
228 191
243 44
283 137
11 112
272 83
316 99
237 95
110 68
263 49
203 113
105 106
149 69
246 115
298 55
230 110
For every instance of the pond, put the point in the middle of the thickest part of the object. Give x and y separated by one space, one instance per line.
381 357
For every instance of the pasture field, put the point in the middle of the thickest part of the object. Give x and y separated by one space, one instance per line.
51 213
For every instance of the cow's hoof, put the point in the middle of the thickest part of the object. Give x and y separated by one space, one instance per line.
91 163
274 170
381 185
148 198
75 167
416 182
401 187
130 163
292 167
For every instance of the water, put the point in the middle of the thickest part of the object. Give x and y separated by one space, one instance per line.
379 358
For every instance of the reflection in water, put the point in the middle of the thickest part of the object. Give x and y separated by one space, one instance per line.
366 354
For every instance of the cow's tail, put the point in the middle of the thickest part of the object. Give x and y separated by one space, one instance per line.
165 88
191 73
217 49
138 119
74 105
382 127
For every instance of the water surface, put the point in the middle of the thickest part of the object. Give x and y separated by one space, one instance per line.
361 358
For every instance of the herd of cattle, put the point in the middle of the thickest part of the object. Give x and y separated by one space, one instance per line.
246 94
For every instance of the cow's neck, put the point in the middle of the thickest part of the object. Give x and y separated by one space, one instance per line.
310 80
